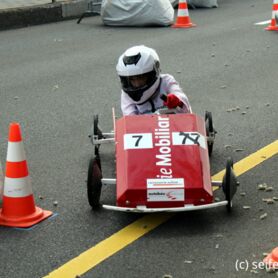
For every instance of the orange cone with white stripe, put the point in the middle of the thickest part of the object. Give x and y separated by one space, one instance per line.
271 260
183 19
273 24
18 207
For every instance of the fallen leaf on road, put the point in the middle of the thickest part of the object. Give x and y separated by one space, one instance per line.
263 216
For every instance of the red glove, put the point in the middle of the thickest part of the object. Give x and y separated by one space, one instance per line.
172 101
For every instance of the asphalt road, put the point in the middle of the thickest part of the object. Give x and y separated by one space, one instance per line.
53 79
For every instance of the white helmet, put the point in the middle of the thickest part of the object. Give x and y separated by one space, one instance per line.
139 60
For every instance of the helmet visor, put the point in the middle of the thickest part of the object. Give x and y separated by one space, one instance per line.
135 85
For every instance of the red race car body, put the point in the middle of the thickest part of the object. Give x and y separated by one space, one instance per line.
162 161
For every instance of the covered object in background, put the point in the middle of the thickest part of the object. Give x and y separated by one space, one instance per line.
137 12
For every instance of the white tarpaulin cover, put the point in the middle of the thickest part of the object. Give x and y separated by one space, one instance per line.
137 12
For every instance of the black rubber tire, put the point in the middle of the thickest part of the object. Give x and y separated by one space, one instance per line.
97 158
96 125
97 130
97 133
94 184
226 184
209 130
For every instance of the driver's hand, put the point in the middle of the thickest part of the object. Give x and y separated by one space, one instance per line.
172 101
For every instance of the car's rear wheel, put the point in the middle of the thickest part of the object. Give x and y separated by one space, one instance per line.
210 132
97 133
94 184
229 184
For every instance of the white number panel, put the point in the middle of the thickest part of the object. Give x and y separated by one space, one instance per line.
138 141
189 138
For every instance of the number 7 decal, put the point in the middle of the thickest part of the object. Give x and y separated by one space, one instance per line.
138 141
139 137
189 138
194 137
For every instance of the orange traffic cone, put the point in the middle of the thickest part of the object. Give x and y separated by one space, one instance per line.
18 208
271 260
273 24
183 19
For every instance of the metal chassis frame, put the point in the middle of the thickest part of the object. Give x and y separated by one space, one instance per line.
143 209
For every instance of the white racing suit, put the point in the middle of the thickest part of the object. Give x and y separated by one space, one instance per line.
167 85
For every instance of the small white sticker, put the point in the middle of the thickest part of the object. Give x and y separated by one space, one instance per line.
138 141
165 183
165 195
189 138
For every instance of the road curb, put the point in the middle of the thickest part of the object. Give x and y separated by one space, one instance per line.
54 12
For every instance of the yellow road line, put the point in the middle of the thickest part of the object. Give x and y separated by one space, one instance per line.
106 248
109 246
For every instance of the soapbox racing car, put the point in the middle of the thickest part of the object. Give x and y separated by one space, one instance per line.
162 164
